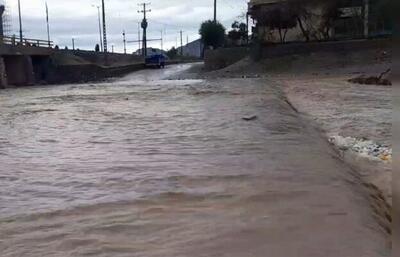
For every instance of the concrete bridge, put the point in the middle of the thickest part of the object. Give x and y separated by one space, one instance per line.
23 63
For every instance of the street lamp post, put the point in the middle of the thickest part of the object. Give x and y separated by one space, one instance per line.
100 32
48 26
20 21
124 38
215 11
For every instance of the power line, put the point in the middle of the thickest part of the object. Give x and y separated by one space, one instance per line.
164 23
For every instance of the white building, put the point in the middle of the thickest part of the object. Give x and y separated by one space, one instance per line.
193 49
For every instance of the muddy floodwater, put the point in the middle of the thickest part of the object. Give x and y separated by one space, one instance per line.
147 166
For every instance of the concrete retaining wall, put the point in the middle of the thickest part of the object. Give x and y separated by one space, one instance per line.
3 74
87 72
341 50
25 70
98 58
91 72
279 50
39 65
25 50
223 57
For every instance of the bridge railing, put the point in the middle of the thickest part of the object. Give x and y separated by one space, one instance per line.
26 42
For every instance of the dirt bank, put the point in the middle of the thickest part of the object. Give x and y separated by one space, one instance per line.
357 121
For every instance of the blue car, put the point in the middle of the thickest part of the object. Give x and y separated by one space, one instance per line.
156 60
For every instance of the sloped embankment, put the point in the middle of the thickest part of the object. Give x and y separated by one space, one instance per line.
357 122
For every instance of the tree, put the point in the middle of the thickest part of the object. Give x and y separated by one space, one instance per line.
385 10
316 18
303 12
172 53
238 32
212 34
279 17
330 13
387 7
97 48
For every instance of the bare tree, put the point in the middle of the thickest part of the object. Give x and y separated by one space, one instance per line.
330 13
281 18
315 17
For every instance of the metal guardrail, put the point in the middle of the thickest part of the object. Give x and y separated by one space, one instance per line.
26 42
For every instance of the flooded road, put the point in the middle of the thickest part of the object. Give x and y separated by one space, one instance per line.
147 166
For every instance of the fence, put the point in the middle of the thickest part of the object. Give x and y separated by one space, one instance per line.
26 42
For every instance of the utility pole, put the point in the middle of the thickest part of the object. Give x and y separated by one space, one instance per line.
181 43
123 35
48 26
139 39
144 27
247 27
112 48
20 21
215 11
104 29
187 39
162 41
99 18
2 9
73 44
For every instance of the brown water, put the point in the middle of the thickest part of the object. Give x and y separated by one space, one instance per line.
146 166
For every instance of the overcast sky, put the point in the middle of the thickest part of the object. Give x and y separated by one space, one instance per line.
78 19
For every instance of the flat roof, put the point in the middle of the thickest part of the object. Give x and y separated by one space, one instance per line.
254 3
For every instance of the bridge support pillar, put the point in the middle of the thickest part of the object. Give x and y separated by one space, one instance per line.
3 74
28 68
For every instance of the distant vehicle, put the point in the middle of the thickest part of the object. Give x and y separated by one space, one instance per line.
156 60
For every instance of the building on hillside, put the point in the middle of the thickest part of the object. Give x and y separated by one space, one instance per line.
193 49
347 19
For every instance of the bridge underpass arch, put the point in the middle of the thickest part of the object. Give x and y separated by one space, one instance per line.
18 70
